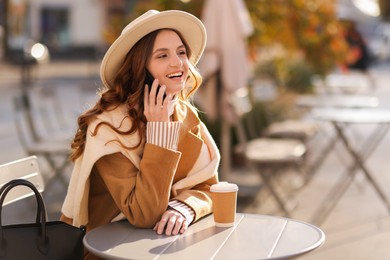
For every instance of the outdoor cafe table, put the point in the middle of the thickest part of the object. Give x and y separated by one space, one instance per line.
333 101
252 237
349 83
337 100
342 120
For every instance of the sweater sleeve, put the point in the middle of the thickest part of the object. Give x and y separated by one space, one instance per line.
185 210
164 134
141 195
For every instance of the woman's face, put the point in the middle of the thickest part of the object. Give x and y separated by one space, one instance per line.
169 63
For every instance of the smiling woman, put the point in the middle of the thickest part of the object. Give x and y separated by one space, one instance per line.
138 155
169 62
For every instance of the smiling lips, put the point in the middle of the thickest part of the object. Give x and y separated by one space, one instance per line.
175 75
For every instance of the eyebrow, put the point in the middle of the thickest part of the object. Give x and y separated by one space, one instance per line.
165 49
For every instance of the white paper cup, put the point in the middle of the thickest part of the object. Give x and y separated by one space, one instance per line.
224 197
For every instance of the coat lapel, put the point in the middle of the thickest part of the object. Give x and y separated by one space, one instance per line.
190 142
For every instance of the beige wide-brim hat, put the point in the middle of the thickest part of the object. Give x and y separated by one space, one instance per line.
189 26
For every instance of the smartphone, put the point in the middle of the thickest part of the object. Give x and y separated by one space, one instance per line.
149 80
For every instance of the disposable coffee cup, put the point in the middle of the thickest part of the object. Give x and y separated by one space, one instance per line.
224 197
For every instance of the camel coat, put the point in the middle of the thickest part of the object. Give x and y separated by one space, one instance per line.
109 180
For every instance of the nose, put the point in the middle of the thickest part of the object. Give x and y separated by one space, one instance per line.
176 61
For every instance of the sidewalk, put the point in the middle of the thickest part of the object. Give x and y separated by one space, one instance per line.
11 74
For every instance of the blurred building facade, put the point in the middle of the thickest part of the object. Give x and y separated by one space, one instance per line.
69 28
83 29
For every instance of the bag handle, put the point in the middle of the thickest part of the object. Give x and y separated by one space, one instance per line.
16 181
43 244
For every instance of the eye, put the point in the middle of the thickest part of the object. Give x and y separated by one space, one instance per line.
162 56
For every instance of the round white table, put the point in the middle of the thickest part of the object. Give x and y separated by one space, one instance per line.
337 101
252 237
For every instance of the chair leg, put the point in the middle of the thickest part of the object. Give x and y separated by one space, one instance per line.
265 175
58 170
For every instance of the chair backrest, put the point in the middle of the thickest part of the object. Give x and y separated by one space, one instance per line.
263 89
24 122
245 125
26 168
50 110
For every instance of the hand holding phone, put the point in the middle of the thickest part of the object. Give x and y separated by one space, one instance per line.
149 80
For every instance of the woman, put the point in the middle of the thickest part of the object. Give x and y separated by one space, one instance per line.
141 152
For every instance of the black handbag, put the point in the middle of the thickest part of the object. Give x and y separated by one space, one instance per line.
43 239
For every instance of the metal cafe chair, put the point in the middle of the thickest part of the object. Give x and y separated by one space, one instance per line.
49 112
264 90
297 126
54 151
268 156
26 168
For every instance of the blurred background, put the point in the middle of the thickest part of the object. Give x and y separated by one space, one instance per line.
272 52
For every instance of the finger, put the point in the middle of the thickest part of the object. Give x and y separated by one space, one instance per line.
160 96
161 225
153 92
167 99
178 225
146 97
184 227
170 225
155 226
146 103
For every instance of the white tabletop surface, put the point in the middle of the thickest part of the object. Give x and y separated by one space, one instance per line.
350 82
359 116
336 100
252 237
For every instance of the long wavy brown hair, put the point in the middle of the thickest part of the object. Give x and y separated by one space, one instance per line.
128 88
